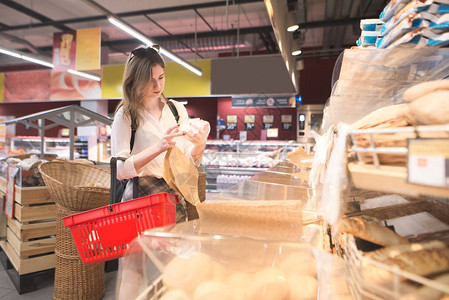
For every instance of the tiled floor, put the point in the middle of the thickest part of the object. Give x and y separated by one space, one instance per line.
45 287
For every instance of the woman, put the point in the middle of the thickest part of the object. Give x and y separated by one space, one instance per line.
144 108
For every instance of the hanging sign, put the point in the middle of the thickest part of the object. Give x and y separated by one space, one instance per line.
231 122
286 122
267 121
64 51
263 101
11 173
250 122
428 162
88 49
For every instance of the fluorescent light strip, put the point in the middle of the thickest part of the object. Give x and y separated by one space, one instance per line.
181 62
130 31
47 64
148 42
93 77
4 51
37 61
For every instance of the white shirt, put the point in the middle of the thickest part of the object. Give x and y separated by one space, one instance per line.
150 132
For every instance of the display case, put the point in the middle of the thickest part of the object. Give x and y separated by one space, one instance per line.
228 163
31 144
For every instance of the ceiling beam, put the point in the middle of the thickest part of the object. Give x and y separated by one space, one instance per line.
29 12
330 23
125 14
249 30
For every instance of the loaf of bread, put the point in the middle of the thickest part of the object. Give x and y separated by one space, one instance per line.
418 90
393 251
373 233
385 117
422 259
431 109
422 262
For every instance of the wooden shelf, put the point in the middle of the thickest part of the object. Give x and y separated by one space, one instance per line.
390 179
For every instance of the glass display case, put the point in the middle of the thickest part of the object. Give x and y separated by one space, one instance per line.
32 144
228 163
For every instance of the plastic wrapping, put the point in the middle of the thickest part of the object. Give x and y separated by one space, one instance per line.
370 32
369 79
412 22
392 8
415 6
336 179
422 37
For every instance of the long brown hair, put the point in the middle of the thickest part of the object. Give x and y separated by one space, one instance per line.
136 79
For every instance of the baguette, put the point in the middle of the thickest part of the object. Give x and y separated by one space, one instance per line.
374 233
421 89
422 262
384 117
393 251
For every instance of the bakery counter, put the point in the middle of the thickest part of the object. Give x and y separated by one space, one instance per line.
285 264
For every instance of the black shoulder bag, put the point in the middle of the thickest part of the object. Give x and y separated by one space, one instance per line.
118 186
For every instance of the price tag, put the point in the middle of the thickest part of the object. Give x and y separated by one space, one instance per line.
249 122
428 162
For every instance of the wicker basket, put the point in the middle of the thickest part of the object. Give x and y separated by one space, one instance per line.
73 279
76 186
47 156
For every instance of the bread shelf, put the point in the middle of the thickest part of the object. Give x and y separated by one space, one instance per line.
390 179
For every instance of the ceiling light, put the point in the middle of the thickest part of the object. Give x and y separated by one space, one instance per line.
292 24
37 61
89 76
131 31
45 63
148 42
25 57
296 47
10 53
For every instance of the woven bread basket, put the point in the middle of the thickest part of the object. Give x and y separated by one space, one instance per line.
76 186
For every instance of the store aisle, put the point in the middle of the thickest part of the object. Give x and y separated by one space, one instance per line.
45 287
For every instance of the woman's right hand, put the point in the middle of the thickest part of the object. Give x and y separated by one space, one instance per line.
167 141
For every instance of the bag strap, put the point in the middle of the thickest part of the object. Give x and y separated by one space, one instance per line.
173 110
113 166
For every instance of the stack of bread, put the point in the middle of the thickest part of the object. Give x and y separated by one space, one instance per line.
199 277
426 259
426 103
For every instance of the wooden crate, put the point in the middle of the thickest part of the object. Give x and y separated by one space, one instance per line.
30 235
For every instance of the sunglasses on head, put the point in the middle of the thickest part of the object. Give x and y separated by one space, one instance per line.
142 52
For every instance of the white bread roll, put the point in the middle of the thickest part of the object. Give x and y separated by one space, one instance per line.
212 289
186 273
268 284
175 295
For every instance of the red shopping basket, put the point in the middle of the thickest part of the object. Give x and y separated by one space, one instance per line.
104 233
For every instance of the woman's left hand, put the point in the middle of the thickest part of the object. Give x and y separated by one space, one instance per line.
198 137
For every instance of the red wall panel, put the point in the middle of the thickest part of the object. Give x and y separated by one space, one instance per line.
316 79
225 108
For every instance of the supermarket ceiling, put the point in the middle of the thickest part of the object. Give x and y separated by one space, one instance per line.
190 28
